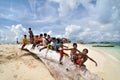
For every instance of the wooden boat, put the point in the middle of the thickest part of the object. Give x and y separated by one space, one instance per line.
67 71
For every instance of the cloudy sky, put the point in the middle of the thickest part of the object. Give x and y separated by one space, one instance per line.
87 20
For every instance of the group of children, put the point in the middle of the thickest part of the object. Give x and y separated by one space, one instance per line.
77 57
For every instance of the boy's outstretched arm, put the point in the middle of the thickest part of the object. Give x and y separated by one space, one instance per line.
65 46
93 61
67 49
78 51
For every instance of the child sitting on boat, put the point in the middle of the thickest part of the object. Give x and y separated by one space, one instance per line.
24 41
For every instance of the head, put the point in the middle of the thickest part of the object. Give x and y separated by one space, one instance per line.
25 36
74 45
85 51
61 44
57 40
41 35
29 28
45 34
53 39
48 36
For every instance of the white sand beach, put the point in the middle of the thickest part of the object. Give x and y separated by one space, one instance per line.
20 65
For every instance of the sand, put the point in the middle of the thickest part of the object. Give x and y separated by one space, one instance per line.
21 65
108 66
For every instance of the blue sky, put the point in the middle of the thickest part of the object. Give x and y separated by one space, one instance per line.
87 20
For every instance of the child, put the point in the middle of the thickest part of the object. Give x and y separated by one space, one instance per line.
78 59
36 41
61 52
31 35
48 44
24 41
85 57
74 51
45 39
40 40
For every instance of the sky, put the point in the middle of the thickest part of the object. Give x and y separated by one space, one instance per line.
86 20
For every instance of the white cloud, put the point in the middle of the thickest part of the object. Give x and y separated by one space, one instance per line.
18 30
10 33
49 32
72 30
65 6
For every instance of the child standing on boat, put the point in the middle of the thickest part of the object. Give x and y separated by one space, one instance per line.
62 53
73 52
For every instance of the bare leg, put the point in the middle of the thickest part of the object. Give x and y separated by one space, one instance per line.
60 60
23 46
42 48
46 52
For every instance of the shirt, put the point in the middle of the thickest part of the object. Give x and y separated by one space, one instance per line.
24 41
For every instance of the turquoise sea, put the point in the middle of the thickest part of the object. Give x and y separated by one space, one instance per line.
113 52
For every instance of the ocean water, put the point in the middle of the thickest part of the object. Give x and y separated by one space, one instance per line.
113 52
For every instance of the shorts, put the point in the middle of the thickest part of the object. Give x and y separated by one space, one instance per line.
63 54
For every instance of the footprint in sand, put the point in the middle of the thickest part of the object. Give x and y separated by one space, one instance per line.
1 71
15 76
11 56
1 55
1 50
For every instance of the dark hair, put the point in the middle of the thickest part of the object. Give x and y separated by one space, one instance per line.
45 34
58 40
36 36
41 35
48 35
85 50
53 38
25 35
29 28
74 44
61 42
